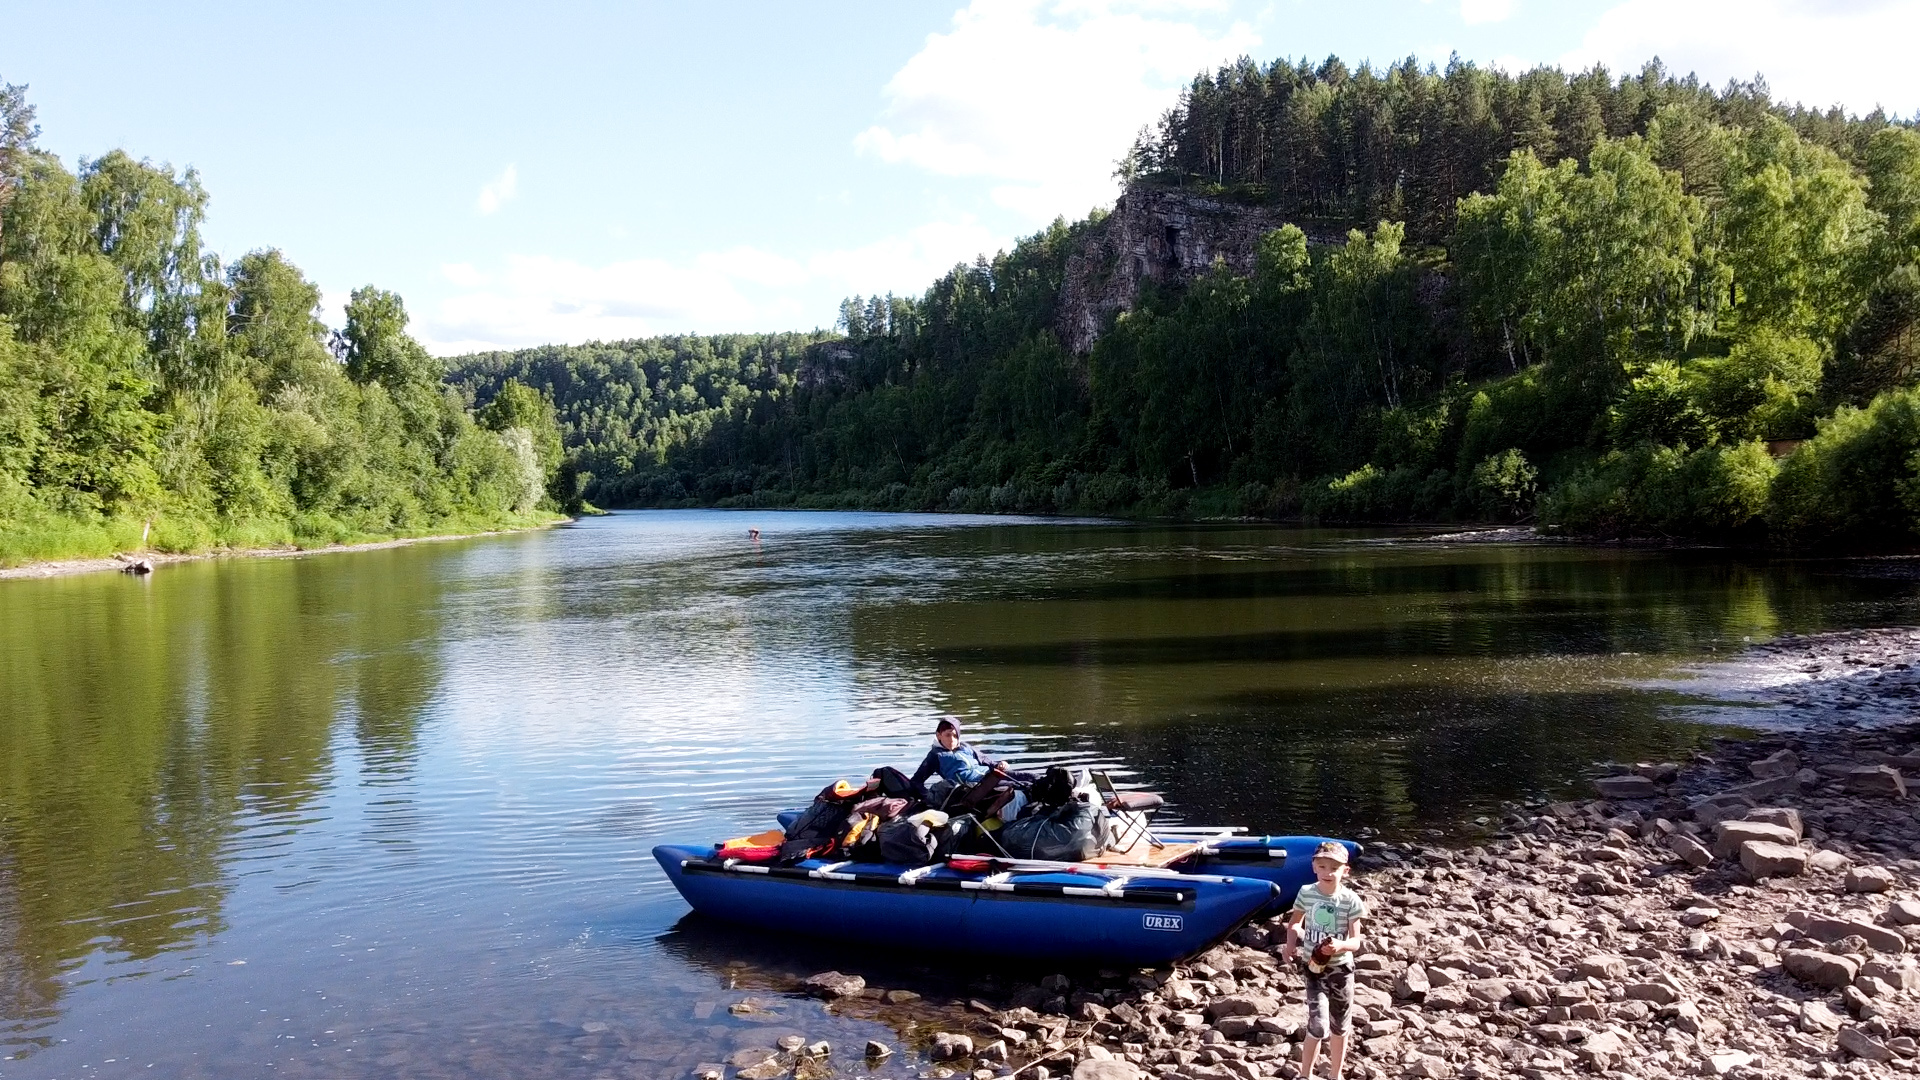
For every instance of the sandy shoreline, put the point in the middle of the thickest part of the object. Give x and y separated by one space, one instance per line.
65 567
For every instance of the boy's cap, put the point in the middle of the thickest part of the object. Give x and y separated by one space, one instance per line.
1332 850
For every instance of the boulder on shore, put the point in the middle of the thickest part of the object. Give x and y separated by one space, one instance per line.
1765 859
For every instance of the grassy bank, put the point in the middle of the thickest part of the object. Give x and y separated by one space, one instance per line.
53 538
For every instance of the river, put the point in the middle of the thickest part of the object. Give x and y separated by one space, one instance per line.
390 812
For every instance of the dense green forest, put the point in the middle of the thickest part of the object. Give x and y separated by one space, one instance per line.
1619 306
151 395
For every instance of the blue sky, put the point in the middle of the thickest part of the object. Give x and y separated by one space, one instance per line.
524 174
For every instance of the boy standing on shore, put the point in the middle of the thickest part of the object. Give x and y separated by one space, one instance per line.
1326 919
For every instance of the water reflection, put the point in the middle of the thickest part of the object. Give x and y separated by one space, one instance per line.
153 730
326 813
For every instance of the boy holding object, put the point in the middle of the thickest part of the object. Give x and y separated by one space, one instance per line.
1326 918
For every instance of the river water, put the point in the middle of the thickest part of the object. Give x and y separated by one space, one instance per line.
390 812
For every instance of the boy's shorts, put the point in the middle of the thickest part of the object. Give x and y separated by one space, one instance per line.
1331 991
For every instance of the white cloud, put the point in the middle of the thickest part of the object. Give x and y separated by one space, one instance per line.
1854 53
537 299
495 193
1485 11
1043 97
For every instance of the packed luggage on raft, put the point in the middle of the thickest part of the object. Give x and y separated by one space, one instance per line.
1059 866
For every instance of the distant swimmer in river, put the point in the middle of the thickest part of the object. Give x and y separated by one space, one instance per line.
753 535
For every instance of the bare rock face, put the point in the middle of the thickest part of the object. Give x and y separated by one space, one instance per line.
1168 236
1778 763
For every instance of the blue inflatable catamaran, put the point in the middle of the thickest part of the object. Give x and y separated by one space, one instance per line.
1173 893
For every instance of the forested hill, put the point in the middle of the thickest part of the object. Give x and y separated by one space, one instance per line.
1633 305
152 395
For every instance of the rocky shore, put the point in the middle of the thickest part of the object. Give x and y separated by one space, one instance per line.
1749 913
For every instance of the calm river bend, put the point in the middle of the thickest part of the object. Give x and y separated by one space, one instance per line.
389 813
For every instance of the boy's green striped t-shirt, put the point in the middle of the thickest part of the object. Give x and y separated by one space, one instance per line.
1327 917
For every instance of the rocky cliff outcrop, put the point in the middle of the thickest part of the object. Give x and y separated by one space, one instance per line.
1162 235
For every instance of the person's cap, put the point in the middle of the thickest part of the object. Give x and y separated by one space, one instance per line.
947 723
1332 849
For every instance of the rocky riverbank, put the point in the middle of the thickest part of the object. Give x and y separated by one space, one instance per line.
1749 913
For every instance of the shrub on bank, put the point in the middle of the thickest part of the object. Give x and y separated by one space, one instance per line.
1854 483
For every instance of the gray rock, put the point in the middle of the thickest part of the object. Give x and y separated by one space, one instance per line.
1869 879
1859 1002
1898 974
1691 851
1106 1069
1828 862
995 1051
1778 763
1699 916
1904 913
1725 1061
1729 835
1877 780
759 1055
1860 1044
1818 1016
1602 966
1766 789
1412 985
1764 859
1714 809
1243 1005
1784 816
1626 787
877 1050
1492 991
832 984
1819 968
947 1046
1602 1050
1824 928
1658 993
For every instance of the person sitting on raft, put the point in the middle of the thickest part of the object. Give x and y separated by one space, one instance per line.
997 791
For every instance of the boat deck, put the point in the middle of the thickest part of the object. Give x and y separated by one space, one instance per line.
1145 854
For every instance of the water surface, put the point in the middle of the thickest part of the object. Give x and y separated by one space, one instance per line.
389 812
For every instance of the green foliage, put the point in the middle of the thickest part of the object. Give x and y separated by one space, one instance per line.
1503 485
1714 492
143 390
1854 483
1572 296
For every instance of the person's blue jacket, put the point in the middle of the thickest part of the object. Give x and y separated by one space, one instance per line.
960 765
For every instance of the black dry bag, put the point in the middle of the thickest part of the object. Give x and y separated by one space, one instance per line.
1068 834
